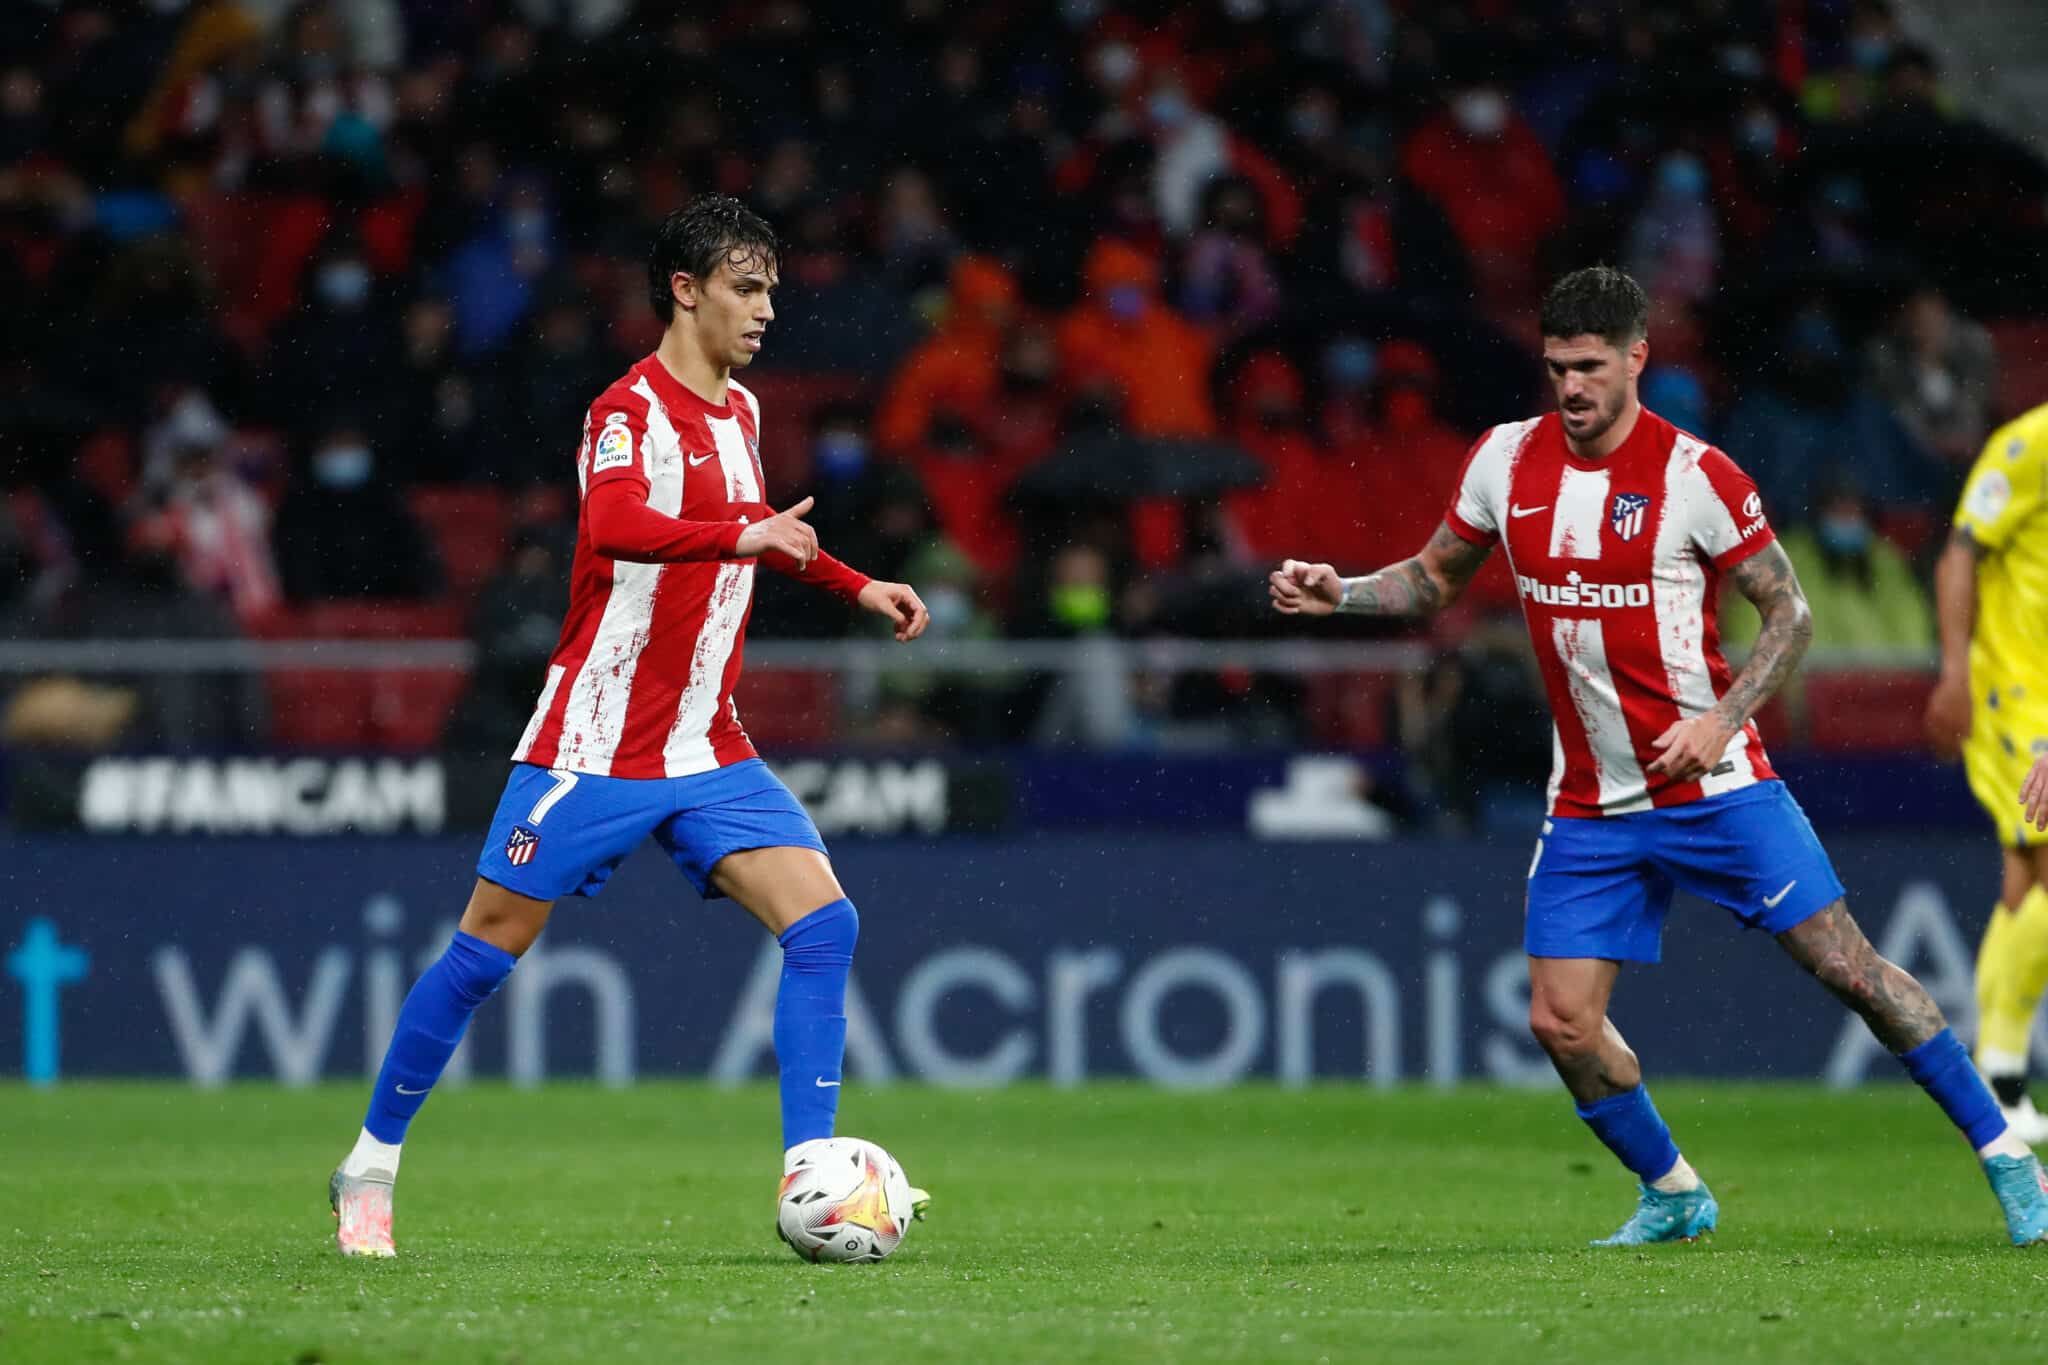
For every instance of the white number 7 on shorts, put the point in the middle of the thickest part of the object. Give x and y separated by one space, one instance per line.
563 783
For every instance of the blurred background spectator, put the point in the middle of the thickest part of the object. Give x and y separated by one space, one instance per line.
1312 234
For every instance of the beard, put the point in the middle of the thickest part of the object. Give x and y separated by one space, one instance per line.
1599 420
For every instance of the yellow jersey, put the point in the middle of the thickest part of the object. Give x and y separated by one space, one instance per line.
2004 508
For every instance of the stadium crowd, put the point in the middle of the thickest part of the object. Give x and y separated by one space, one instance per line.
313 295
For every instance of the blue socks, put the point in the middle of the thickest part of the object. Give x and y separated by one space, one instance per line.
1634 1131
430 1025
810 1018
1942 1067
810 1024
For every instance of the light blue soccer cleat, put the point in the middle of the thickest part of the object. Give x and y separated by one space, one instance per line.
1666 1218
2022 1192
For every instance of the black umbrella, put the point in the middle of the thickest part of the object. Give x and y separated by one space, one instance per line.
1113 467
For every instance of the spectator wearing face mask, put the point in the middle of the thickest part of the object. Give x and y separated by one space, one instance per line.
492 280
1494 179
1121 337
205 513
958 364
1795 419
1227 280
1863 592
336 346
872 508
342 531
1674 249
1938 371
963 706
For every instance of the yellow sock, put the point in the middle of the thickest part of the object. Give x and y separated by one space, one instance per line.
1992 969
2020 978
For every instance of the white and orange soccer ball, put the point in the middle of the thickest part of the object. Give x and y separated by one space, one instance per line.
843 1200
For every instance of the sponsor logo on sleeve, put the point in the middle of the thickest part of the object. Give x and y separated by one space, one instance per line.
1989 496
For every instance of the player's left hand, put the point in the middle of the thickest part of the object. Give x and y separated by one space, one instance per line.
1689 749
901 604
2034 793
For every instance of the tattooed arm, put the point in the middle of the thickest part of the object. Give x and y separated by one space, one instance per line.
1691 747
1420 585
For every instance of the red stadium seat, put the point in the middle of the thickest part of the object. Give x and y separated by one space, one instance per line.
1852 710
363 709
1349 710
469 529
375 619
409 708
788 707
320 709
2022 366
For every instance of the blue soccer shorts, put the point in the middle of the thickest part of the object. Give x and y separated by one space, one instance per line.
1601 887
561 834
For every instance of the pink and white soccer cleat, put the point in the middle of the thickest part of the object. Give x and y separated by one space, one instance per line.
362 1213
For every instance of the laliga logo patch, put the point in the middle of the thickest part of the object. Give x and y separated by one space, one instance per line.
1989 495
614 445
1631 510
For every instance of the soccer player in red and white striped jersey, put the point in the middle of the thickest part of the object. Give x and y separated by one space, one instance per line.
1620 529
635 733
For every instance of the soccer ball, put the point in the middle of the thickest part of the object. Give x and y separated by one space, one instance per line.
843 1200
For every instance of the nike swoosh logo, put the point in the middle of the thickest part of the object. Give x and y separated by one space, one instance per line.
1519 512
421 1091
696 460
825 1084
1771 902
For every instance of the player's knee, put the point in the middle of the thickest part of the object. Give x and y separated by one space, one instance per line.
833 928
1564 1033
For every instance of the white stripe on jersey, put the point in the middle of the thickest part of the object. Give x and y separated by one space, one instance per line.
1582 648
1577 512
734 460
594 721
540 713
753 405
688 748
1556 768
1679 585
1483 496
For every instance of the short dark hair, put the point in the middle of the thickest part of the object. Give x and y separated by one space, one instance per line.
1597 301
695 238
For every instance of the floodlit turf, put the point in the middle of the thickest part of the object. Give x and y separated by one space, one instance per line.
1113 1223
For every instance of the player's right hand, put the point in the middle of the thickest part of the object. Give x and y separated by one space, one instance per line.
785 531
1299 588
1948 715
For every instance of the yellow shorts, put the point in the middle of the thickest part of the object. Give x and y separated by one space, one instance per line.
2008 727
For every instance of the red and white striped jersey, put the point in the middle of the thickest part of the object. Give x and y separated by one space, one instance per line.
1618 564
640 683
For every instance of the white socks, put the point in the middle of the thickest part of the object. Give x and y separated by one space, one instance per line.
2006 1143
371 1155
1678 1179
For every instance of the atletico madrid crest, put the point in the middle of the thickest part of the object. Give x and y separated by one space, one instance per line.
1631 510
521 846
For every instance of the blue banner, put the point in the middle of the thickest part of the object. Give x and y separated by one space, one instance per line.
1183 961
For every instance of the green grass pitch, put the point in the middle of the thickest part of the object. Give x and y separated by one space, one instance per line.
1109 1223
